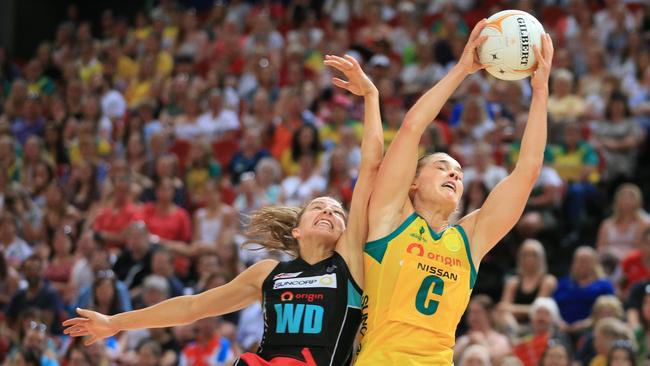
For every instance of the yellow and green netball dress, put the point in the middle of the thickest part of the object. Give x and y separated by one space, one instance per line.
417 286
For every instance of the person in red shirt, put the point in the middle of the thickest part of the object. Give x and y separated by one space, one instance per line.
169 225
208 348
636 266
291 119
113 219
545 321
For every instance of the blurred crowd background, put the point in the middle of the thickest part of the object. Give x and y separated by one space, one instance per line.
132 150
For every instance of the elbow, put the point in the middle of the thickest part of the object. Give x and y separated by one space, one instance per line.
193 312
372 155
369 167
411 124
535 170
529 171
533 173
371 160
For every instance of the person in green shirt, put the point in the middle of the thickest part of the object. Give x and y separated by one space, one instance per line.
577 163
37 82
340 116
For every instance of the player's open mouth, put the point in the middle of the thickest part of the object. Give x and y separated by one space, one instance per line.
324 223
450 185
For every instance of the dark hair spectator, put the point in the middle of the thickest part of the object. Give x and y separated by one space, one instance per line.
38 294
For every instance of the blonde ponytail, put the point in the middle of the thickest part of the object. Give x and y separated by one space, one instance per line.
271 228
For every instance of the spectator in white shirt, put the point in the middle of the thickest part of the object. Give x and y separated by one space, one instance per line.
217 122
484 169
307 184
251 327
186 124
113 104
14 249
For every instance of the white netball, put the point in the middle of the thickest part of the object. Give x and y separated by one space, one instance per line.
508 51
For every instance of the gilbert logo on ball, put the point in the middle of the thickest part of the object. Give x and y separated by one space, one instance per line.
508 51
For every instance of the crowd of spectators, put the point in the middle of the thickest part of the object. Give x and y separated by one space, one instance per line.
133 149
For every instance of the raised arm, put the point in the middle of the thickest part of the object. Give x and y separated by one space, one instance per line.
505 204
390 201
237 294
350 246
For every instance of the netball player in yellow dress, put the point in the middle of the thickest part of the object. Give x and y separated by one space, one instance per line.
419 268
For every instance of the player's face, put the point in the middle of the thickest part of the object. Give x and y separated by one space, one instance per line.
440 179
323 218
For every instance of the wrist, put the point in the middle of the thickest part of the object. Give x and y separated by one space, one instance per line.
460 70
113 322
373 93
541 91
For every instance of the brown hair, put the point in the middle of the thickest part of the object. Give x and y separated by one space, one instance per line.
614 329
271 228
424 159
484 302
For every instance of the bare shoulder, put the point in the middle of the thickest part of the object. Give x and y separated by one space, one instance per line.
548 286
549 280
605 227
265 265
256 274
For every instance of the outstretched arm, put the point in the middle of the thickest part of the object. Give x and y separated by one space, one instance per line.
390 201
372 146
505 204
235 295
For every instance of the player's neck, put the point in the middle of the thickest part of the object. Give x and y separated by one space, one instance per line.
437 218
315 252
